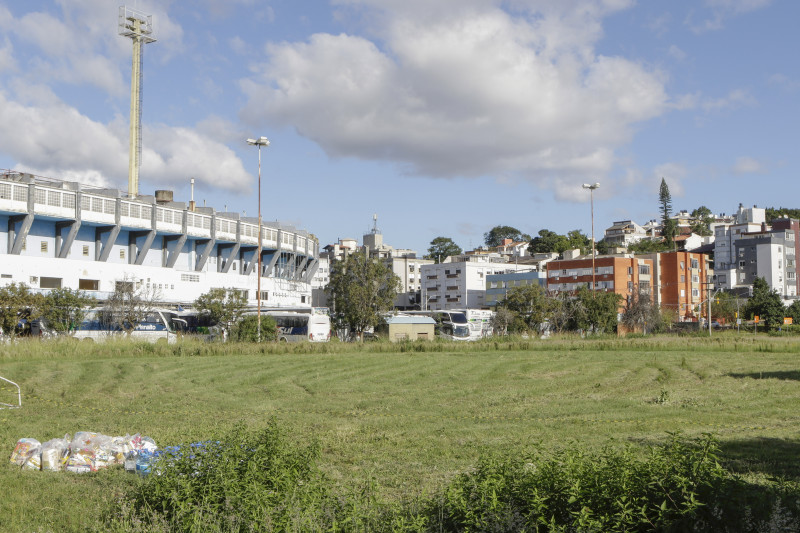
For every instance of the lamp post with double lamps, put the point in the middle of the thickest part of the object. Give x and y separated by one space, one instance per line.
261 141
591 188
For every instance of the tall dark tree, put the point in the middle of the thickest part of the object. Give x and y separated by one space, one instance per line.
766 304
668 226
496 235
441 248
360 290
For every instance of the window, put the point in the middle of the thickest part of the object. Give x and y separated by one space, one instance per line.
695 293
741 264
86 250
683 278
683 293
49 283
88 284
630 270
44 247
122 253
683 266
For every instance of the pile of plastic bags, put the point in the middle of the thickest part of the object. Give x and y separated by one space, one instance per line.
86 452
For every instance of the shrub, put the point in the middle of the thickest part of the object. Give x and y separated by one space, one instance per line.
246 330
250 480
677 487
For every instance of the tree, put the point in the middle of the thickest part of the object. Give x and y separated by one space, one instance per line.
530 304
130 303
442 248
647 246
723 306
596 310
501 320
772 213
668 227
223 307
601 247
548 242
246 329
551 242
562 309
496 235
360 289
65 308
18 306
640 312
576 239
702 220
766 304
794 312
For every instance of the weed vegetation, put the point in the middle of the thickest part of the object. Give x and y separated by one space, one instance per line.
691 433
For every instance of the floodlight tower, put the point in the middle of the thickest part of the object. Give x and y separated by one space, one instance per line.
139 28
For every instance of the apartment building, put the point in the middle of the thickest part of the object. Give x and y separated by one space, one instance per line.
747 220
625 232
498 285
460 282
680 282
623 274
769 254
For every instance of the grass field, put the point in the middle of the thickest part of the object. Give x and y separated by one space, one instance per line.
407 417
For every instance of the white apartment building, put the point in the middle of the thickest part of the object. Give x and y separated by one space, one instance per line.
747 220
461 283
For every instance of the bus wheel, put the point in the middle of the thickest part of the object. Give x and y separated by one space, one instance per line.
88 340
161 342
283 339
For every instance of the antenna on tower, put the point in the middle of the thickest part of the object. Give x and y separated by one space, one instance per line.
375 229
139 28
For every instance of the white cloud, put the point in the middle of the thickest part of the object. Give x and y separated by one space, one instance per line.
676 53
721 10
785 82
735 99
462 88
748 165
59 142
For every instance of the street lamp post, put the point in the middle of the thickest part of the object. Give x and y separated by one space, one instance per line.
261 141
591 188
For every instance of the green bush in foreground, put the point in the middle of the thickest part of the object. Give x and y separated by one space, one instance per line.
255 480
680 486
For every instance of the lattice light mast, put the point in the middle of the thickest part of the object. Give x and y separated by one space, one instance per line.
139 28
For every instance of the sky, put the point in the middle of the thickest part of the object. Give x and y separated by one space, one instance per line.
443 118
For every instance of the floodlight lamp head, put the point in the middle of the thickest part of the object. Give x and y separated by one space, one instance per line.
261 141
586 186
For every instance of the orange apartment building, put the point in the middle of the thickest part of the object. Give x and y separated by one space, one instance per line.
679 280
621 274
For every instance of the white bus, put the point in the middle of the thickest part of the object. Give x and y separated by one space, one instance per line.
480 322
98 325
450 324
297 327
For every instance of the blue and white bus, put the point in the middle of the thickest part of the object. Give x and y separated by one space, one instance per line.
297 327
158 326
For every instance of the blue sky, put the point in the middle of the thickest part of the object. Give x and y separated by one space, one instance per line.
444 118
